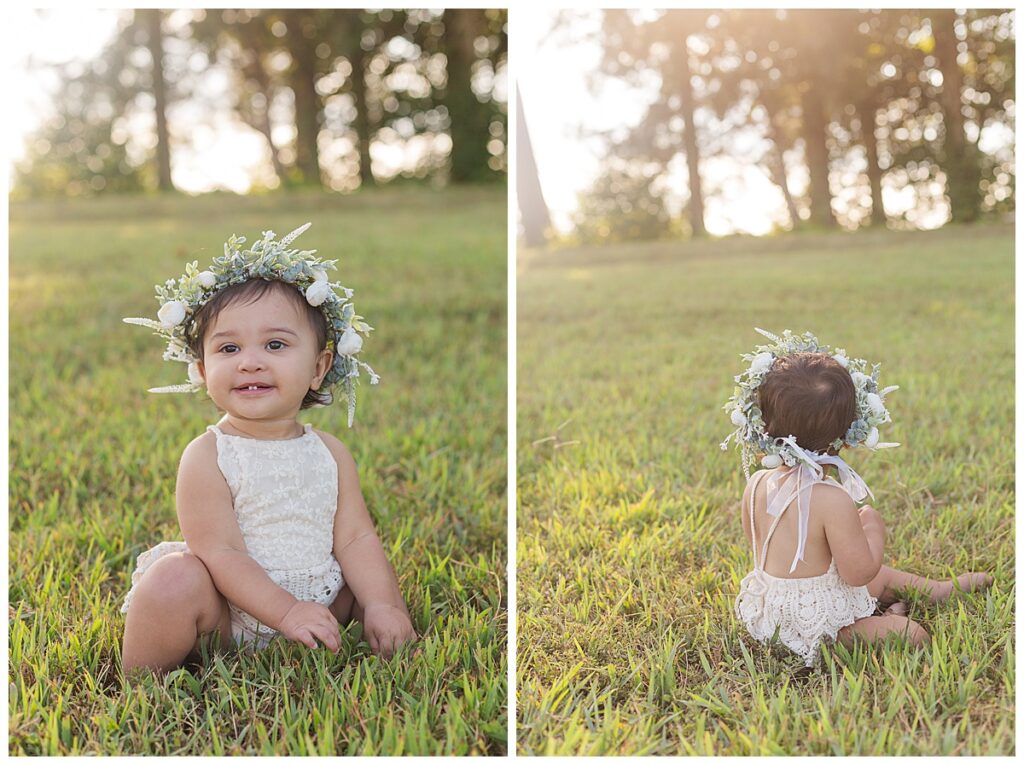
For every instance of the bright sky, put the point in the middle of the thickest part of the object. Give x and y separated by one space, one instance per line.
221 155
552 72
220 152
559 103
68 34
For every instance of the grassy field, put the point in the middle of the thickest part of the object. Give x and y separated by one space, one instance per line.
93 460
630 548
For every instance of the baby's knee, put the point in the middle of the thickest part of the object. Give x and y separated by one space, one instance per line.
916 634
178 578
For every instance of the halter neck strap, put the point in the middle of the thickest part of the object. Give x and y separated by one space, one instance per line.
797 484
758 560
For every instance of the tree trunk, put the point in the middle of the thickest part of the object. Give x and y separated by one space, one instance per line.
532 209
267 130
695 208
961 166
777 172
362 120
259 119
469 119
866 113
817 157
152 18
307 101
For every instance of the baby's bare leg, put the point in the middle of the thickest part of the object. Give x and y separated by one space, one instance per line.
889 581
345 607
174 604
874 628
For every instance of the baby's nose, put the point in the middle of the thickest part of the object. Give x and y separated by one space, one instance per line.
250 361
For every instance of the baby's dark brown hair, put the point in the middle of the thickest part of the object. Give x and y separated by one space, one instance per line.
249 292
809 396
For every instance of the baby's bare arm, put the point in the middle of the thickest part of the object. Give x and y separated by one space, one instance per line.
207 519
855 537
363 561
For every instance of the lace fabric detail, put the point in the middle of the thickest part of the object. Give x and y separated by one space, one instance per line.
285 495
803 611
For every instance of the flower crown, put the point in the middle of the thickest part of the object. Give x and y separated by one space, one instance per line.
745 411
271 260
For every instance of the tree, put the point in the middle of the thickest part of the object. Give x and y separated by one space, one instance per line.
150 20
634 49
748 89
85 146
244 43
532 208
302 75
960 158
623 205
472 37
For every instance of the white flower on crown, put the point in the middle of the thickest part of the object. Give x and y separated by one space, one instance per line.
171 313
194 376
872 440
318 292
762 363
744 410
350 343
274 261
875 403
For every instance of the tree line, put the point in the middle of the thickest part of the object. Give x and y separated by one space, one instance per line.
858 100
321 87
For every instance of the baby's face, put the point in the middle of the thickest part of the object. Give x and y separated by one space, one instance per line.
261 358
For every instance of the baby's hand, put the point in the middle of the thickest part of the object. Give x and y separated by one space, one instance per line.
308 622
387 628
870 517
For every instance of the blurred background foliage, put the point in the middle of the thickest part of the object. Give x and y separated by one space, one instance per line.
341 98
838 108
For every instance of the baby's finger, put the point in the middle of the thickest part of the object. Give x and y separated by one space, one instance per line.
305 636
374 643
327 635
333 640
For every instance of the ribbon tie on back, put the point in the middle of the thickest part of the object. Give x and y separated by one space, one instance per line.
796 484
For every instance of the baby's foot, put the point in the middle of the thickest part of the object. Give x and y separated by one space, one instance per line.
899 608
976 580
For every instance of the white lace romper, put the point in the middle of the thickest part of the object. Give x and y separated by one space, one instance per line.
805 610
285 495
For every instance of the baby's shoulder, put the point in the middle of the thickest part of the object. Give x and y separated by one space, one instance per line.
199 459
337 449
201 447
832 498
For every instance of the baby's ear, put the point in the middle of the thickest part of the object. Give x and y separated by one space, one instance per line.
323 366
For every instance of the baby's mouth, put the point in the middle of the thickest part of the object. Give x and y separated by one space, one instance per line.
253 388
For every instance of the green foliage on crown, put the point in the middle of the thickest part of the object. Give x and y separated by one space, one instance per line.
270 259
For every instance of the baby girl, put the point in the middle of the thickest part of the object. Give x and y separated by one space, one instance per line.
818 572
277 537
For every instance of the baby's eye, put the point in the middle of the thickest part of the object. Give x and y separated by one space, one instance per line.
228 348
275 345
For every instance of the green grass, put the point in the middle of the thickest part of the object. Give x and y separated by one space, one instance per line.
93 460
630 547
